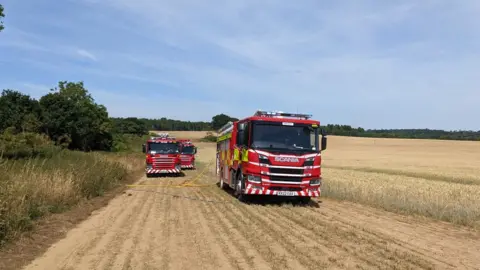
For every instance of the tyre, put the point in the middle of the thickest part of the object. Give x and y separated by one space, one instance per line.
222 183
240 187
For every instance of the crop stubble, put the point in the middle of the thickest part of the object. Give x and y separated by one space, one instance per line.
153 230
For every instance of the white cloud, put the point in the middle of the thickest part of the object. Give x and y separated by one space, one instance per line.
86 54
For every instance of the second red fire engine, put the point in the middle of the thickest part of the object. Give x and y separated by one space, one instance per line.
187 154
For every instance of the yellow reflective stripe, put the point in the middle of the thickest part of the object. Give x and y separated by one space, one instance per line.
224 137
245 155
236 154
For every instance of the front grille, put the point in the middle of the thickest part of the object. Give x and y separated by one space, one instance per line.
162 162
286 179
286 171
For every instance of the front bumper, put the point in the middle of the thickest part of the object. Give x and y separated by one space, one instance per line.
187 166
260 190
157 171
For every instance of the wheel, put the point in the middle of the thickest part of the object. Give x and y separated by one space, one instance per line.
222 184
239 187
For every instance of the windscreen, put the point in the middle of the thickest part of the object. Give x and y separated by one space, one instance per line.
163 148
279 137
188 150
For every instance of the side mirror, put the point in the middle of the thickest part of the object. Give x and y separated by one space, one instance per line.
324 142
195 150
323 132
144 148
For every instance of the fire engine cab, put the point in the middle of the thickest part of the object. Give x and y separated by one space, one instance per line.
162 155
271 154
187 154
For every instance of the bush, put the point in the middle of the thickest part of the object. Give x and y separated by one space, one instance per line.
209 137
32 188
25 145
128 142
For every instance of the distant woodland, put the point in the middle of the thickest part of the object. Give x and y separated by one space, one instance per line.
69 116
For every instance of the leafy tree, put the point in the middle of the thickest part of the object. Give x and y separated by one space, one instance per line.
130 125
220 120
170 124
19 111
2 15
70 115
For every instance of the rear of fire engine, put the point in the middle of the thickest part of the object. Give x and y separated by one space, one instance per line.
272 154
187 154
162 156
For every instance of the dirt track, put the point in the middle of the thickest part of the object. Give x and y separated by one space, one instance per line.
206 228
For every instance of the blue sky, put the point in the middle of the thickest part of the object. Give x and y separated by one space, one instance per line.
375 64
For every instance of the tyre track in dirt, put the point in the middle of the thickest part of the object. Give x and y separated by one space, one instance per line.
240 239
142 256
120 250
333 238
310 251
78 244
182 248
304 243
358 247
282 249
442 243
212 254
101 254
234 248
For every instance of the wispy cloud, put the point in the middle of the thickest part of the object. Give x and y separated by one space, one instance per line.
86 54
367 63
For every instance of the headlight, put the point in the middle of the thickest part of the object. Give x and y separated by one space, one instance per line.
263 159
253 178
309 161
316 182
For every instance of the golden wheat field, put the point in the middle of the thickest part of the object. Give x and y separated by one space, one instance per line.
438 179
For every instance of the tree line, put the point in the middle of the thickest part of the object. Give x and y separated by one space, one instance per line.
345 130
69 116
339 130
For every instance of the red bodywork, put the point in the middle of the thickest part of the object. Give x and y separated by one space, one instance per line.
160 161
267 170
187 153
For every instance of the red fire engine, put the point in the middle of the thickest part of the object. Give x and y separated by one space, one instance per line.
187 153
163 155
271 153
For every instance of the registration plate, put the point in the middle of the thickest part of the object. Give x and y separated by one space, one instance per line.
286 193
